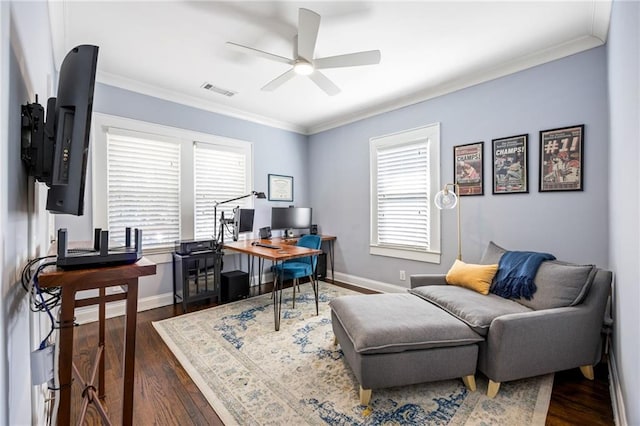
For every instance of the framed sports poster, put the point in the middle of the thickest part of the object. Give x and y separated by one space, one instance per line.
562 159
510 173
468 172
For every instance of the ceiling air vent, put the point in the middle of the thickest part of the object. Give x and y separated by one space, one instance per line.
210 87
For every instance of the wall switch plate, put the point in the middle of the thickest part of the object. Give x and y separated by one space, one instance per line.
402 276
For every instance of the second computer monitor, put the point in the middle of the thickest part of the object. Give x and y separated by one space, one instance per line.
290 218
242 222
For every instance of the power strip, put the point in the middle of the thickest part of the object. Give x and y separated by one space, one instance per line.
42 365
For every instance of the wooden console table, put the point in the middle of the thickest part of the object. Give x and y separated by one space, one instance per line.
73 281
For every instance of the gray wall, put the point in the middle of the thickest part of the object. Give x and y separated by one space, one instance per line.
274 151
571 225
624 92
26 63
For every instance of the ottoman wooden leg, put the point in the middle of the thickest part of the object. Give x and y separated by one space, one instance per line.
365 396
587 371
470 382
493 388
335 340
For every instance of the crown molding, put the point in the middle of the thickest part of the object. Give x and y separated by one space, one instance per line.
597 36
173 96
506 68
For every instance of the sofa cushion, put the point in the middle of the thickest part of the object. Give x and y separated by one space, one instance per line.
492 254
397 322
560 284
474 277
474 309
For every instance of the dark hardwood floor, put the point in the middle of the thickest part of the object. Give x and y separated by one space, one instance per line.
166 395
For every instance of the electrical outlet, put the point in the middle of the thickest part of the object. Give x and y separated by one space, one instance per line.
402 276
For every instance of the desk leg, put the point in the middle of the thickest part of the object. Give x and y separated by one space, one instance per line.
277 298
65 360
331 259
129 351
101 320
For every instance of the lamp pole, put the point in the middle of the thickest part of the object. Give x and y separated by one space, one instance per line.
457 190
445 200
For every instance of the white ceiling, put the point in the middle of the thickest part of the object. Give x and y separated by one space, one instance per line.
168 49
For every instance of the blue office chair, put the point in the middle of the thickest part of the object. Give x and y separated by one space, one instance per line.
301 267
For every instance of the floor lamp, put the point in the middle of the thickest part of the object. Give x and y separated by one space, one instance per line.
448 199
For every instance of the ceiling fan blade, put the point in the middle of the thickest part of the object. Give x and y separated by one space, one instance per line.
324 83
261 53
308 25
370 57
279 81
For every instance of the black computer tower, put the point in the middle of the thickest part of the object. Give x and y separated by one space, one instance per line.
321 266
235 285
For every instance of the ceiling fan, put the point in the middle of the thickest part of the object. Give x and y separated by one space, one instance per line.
304 63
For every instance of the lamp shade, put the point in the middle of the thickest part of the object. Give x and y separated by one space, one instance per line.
446 199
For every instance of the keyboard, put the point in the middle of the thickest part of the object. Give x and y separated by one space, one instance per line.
271 246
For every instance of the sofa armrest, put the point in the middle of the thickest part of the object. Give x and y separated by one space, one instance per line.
419 280
539 342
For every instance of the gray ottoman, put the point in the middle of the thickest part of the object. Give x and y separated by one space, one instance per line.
400 339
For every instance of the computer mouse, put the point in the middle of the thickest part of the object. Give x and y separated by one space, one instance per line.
254 243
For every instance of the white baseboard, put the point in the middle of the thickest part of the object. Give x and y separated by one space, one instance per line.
369 284
114 309
617 400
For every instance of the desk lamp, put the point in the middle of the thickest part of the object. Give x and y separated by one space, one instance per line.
446 200
223 221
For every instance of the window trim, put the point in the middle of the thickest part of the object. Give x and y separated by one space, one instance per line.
102 123
432 133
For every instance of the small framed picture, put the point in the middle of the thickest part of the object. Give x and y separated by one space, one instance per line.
280 188
562 159
510 173
468 169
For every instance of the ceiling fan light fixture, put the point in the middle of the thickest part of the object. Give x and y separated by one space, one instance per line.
302 67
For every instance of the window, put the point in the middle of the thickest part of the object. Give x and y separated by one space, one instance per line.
404 179
143 187
220 174
165 181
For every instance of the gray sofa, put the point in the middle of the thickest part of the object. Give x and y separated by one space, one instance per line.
558 329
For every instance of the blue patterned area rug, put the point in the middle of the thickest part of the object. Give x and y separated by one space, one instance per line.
254 375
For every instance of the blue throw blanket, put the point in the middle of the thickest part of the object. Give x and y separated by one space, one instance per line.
516 272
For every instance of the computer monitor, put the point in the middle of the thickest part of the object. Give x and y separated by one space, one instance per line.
242 222
290 217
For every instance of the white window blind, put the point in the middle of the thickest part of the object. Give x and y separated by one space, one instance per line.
405 175
220 175
403 196
145 175
143 189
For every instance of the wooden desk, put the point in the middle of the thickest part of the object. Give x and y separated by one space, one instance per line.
284 252
72 281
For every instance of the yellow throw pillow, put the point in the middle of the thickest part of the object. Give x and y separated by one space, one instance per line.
473 277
